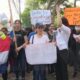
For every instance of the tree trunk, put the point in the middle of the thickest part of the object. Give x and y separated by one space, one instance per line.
75 3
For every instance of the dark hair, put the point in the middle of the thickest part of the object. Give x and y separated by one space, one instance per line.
65 21
4 29
17 21
39 25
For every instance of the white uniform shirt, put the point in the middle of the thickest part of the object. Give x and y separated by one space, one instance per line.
62 37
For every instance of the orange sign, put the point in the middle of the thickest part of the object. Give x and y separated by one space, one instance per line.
73 15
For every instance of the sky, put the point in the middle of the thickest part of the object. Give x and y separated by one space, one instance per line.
71 0
78 2
4 8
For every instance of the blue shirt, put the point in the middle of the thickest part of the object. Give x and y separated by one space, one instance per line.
31 34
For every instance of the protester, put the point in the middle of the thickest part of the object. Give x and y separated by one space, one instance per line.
40 37
73 51
76 50
62 38
5 46
52 37
50 32
20 41
32 33
64 35
11 51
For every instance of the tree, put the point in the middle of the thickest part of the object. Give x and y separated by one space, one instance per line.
30 5
75 3
39 4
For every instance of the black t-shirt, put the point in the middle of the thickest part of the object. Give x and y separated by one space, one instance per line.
20 37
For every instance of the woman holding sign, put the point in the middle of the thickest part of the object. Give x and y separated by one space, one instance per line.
39 38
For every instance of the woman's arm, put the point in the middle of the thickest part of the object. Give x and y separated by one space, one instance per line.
59 21
24 45
64 28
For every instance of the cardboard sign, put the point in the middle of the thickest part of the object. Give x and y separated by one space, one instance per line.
73 15
41 54
40 16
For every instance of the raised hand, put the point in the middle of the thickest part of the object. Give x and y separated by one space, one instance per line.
59 21
58 8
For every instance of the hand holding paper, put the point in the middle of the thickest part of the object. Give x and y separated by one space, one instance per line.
76 37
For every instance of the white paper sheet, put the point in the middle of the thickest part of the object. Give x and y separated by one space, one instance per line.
41 54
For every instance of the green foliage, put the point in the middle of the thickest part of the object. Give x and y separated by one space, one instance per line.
4 23
26 17
30 5
39 4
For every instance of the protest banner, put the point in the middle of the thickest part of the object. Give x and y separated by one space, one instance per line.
41 54
40 16
73 15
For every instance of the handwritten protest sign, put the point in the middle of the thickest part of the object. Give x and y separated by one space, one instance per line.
40 16
73 15
41 54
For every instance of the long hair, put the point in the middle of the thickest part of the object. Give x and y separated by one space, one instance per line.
17 21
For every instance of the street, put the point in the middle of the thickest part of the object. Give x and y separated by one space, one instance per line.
49 76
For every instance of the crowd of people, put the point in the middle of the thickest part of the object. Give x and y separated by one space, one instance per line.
66 39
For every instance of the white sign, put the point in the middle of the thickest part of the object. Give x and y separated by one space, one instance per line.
41 54
3 57
40 16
